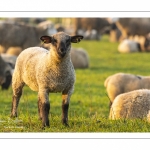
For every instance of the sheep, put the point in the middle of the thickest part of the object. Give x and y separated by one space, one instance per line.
79 58
129 46
20 35
45 72
6 71
91 35
133 26
87 24
143 41
123 82
131 105
11 61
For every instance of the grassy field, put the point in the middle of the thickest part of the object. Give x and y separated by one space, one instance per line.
88 111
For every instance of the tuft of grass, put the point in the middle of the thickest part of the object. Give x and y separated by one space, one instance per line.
89 105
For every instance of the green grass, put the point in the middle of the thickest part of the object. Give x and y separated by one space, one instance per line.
88 111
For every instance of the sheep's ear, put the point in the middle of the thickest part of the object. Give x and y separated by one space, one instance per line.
76 38
46 39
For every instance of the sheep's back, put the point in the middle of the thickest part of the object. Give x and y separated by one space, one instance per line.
121 83
125 82
134 104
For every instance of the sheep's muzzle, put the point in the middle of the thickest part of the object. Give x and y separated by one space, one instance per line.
62 51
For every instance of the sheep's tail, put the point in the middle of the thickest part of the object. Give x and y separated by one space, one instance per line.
106 81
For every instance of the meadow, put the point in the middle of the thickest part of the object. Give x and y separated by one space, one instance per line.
89 106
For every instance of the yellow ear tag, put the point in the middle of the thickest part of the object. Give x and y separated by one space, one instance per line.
42 43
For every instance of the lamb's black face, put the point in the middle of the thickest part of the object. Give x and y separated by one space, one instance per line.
61 42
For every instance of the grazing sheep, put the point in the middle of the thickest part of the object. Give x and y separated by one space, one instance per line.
133 26
122 82
2 70
5 73
131 105
20 35
45 72
11 61
14 50
93 26
79 58
129 46
143 41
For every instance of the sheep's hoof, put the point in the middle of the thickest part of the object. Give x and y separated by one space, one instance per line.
45 126
40 118
13 116
66 124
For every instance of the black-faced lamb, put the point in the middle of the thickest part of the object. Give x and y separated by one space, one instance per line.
123 82
45 72
131 105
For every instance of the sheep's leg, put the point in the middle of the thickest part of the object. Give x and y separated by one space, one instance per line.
43 107
39 106
17 92
65 107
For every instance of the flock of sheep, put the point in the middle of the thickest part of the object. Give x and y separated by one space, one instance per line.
129 93
28 36
50 68
135 35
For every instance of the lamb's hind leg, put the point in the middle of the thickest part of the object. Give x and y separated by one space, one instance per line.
17 92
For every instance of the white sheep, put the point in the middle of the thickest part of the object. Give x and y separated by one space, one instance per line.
79 58
45 72
129 46
131 105
123 82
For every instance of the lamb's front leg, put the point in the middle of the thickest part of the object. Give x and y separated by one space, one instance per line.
65 107
43 107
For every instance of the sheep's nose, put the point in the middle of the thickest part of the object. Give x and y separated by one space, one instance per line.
62 49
